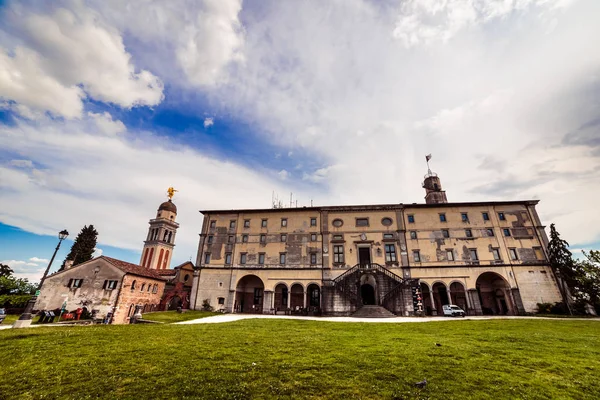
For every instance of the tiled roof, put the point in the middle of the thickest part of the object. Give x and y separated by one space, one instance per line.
133 269
166 272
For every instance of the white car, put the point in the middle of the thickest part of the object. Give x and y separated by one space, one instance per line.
453 311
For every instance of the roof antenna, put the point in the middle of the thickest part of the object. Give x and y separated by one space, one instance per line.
427 158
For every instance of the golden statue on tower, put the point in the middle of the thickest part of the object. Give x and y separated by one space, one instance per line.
171 192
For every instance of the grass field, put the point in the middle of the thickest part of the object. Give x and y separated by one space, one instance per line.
487 359
168 317
10 319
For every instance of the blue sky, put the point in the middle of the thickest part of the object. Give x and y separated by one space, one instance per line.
105 104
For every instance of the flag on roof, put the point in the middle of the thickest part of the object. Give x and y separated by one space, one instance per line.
428 157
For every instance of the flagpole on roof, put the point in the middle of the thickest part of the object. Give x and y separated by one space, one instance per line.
427 158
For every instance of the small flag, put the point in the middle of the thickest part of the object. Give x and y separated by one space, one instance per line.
428 157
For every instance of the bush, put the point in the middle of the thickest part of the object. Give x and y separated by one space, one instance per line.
14 300
548 308
206 305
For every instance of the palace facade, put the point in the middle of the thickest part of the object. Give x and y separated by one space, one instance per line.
485 257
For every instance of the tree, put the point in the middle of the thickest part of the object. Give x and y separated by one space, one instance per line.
83 246
589 281
5 270
561 261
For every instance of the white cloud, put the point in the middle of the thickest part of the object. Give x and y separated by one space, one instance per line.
208 122
97 252
39 260
25 270
106 124
283 174
65 49
21 163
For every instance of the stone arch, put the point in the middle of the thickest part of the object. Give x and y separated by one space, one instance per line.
494 294
368 289
440 295
282 294
313 292
458 294
249 294
428 306
297 296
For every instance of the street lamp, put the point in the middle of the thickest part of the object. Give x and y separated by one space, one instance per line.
25 319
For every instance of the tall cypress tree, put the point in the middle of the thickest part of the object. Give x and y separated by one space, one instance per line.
561 261
83 246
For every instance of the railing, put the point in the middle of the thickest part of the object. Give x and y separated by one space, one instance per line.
398 288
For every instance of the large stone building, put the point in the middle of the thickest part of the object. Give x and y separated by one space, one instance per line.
486 257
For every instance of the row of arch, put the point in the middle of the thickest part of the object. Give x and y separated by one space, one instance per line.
163 258
154 234
250 296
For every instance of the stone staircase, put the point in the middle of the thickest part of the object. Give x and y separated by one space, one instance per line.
373 312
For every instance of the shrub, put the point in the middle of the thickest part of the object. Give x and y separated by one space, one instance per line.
206 305
548 308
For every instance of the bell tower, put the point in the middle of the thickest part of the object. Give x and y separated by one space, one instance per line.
433 187
159 244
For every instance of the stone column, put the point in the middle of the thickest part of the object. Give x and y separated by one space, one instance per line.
305 299
194 292
433 309
449 294
475 303
517 301
267 302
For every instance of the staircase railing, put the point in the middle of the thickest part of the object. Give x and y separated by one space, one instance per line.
398 289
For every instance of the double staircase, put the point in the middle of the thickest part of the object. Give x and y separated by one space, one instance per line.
391 289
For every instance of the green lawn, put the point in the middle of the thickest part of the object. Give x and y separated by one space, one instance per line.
10 319
493 359
169 317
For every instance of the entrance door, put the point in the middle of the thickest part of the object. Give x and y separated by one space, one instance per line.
364 256
367 292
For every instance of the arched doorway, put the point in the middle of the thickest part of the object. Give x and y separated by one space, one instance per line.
440 296
281 297
314 295
174 303
249 295
297 297
367 293
494 294
458 294
425 293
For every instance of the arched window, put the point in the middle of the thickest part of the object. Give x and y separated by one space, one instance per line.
149 287
166 259
143 287
165 236
133 285
170 236
160 258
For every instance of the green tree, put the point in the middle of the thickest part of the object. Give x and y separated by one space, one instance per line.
83 246
589 280
561 261
5 270
16 286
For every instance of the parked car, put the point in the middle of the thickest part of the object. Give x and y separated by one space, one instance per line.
2 315
453 311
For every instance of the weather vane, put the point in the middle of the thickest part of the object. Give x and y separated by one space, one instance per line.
171 192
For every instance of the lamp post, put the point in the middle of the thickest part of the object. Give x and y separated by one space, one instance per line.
25 318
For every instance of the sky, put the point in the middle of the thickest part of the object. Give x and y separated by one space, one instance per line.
105 104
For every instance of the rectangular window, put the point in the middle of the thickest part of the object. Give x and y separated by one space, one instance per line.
506 232
110 285
449 255
486 216
263 238
513 254
362 221
243 258
338 253
221 300
416 256
388 235
244 238
474 256
464 217
210 239
390 253
263 223
213 224
442 217
490 232
501 216
496 254
228 258
313 258
411 218
313 222
258 292
284 222
445 233
231 224
206 258
230 239
468 233
284 238
539 254
282 258
413 234
313 237
246 223
261 258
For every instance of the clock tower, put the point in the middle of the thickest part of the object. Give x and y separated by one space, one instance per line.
159 244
